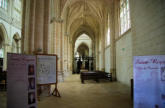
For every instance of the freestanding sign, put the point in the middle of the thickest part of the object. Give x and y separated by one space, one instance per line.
149 81
46 69
21 78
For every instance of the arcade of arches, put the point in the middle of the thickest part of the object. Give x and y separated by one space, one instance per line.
118 29
110 31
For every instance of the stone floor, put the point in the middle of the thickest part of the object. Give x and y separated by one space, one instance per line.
2 99
89 95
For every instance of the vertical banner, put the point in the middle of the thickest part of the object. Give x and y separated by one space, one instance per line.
21 81
149 81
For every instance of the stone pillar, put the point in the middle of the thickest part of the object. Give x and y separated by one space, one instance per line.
61 47
35 29
114 31
31 26
59 44
68 48
6 49
97 53
46 26
25 26
103 52
39 25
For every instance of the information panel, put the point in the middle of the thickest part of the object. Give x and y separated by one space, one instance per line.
46 69
21 78
149 81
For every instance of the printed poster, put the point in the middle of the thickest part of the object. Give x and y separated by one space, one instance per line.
46 69
149 81
21 77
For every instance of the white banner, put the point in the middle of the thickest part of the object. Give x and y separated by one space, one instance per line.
149 81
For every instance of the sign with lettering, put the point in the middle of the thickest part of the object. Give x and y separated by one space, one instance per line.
149 81
46 69
21 78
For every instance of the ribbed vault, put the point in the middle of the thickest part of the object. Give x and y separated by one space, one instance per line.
83 16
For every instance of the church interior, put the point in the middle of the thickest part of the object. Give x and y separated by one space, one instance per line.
86 35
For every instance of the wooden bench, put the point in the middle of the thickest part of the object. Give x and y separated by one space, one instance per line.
88 76
95 75
104 75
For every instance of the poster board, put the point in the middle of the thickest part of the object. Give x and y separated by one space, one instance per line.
46 69
21 78
149 81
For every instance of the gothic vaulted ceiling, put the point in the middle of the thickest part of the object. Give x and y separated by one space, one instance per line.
83 16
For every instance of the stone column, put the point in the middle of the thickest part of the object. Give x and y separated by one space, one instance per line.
114 32
57 43
39 25
25 26
97 53
61 47
46 26
6 49
31 26
103 50
35 29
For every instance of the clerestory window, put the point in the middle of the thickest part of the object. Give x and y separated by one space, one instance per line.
3 4
124 16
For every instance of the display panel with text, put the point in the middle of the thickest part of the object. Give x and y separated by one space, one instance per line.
149 81
21 78
46 69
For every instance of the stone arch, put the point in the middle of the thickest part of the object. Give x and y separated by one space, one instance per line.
85 30
81 30
4 44
87 43
3 34
83 49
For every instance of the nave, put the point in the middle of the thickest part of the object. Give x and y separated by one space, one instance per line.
74 94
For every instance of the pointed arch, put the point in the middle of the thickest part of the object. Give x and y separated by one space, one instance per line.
3 34
83 49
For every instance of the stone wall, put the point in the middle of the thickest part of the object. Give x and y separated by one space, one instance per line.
10 25
146 36
124 58
148 27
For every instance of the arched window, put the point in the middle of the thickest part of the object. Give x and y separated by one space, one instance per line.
108 32
124 16
3 4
